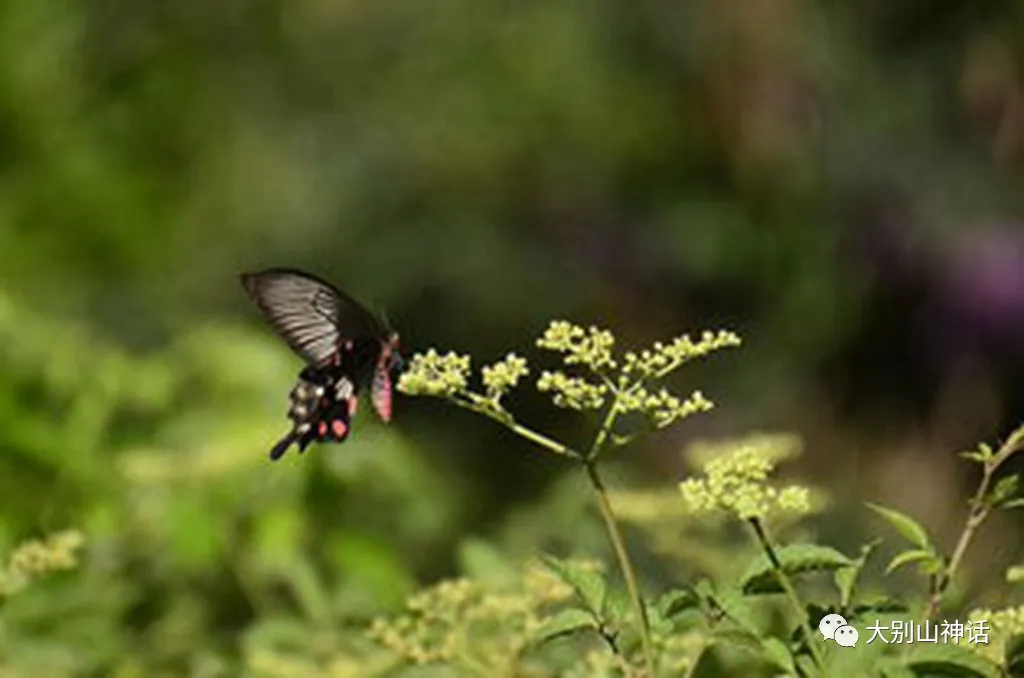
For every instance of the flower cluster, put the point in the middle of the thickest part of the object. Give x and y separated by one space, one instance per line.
737 482
36 558
572 392
591 347
1004 625
503 375
663 358
434 374
662 407
462 621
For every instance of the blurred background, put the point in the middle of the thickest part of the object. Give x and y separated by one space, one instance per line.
841 186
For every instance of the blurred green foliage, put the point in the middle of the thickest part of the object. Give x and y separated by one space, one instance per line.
475 168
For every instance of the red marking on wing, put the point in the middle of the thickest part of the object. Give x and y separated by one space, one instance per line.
382 395
353 405
339 428
321 428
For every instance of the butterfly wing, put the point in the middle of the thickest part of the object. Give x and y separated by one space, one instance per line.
382 386
381 392
309 313
322 406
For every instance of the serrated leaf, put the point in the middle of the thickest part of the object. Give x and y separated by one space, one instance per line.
778 654
737 639
735 607
617 607
659 623
794 559
565 622
907 557
948 661
589 586
911 530
675 601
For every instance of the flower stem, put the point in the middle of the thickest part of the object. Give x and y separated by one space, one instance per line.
789 589
619 546
979 511
479 406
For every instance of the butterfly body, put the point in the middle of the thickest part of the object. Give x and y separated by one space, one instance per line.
345 347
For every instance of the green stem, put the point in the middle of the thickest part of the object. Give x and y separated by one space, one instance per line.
506 419
604 431
481 405
790 590
619 546
979 511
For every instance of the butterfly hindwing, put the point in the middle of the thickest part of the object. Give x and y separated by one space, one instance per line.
320 410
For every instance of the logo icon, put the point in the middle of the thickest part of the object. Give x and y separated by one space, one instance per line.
834 627
828 625
846 636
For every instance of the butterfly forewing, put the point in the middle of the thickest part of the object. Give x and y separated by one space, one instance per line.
310 314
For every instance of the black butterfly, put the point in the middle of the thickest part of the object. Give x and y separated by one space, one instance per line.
345 348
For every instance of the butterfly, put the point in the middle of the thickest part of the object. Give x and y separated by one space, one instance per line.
346 348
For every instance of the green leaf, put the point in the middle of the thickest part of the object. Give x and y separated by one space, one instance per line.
911 530
1003 491
565 622
1016 502
975 456
794 559
948 661
909 556
1016 438
845 578
880 606
807 666
981 455
675 601
589 586
704 588
892 668
736 608
659 623
1013 657
779 654
617 608
737 639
